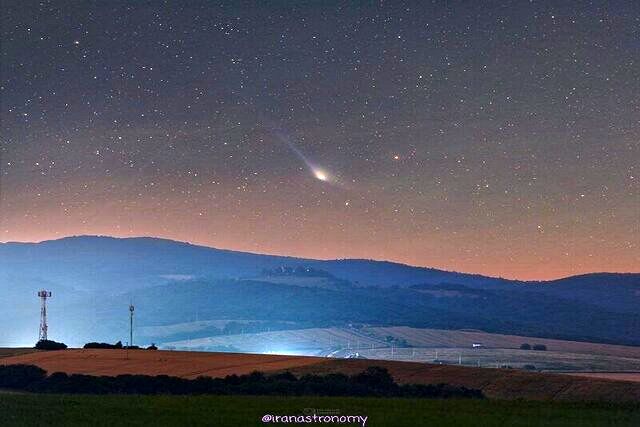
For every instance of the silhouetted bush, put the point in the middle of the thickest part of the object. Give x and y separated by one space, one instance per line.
50 345
525 346
540 347
20 376
103 345
375 378
374 381
152 347
529 367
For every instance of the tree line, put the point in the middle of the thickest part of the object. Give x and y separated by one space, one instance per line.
374 381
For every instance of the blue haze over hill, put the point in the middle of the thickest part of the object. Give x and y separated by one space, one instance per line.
94 279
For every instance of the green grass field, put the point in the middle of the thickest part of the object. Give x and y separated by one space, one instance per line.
30 409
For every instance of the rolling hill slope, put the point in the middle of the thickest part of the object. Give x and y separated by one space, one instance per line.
95 278
91 262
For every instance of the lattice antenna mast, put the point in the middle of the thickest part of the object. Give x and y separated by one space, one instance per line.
43 295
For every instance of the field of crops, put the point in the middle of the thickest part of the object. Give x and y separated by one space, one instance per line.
451 338
618 376
550 361
7 352
175 363
495 383
430 345
313 341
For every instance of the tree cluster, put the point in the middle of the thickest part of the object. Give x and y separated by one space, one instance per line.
50 345
374 381
103 345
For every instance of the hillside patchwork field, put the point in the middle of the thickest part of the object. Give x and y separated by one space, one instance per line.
466 338
429 345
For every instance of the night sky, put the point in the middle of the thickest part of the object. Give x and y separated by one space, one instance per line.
500 138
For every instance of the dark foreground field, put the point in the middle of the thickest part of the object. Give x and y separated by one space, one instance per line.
27 410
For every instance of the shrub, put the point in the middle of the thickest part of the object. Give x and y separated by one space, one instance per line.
525 346
20 376
540 347
375 378
50 345
103 345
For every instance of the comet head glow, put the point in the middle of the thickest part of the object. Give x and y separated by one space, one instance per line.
320 174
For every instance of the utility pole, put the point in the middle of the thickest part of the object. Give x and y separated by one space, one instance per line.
43 295
131 309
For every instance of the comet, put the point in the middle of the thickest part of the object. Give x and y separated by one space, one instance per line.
318 173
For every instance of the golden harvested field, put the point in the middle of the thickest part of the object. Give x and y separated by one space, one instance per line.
495 383
176 363
619 376
6 352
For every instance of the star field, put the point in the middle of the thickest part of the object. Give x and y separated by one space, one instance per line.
498 137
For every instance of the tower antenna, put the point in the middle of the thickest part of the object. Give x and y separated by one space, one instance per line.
43 295
131 309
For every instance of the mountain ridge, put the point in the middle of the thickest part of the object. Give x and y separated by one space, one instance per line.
293 258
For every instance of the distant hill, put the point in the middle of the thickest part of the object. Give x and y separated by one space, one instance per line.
94 279
113 264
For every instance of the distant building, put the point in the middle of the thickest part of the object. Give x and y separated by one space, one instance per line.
477 345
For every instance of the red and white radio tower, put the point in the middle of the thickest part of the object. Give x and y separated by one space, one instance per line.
43 314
